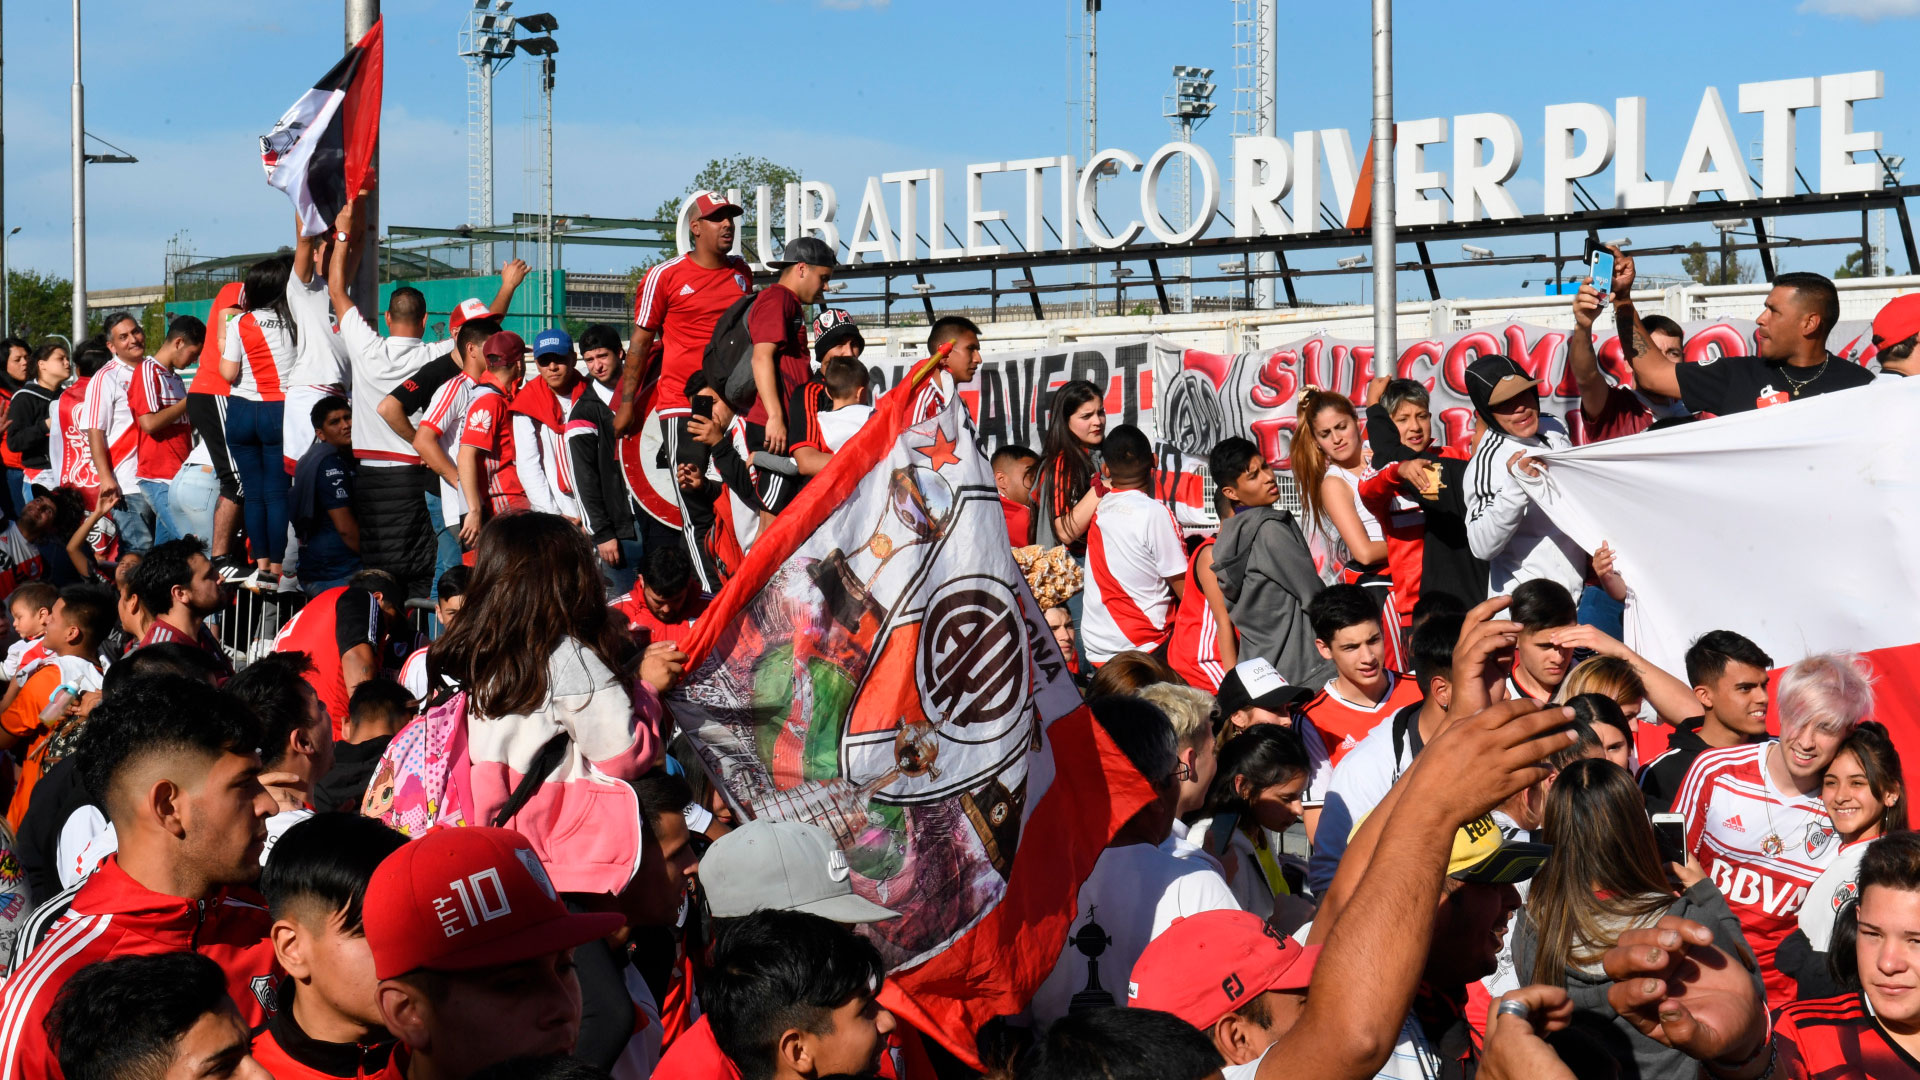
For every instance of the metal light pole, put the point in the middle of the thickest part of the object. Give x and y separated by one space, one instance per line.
1187 106
1386 346
544 47
360 17
79 191
6 275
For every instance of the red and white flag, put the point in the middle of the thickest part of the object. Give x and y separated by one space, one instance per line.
878 666
320 151
1795 526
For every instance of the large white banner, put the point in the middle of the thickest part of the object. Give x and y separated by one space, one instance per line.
1796 526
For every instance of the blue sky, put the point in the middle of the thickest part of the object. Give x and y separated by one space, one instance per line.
844 89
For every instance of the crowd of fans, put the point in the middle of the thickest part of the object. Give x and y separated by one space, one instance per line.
1417 811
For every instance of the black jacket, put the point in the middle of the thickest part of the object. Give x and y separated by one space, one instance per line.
27 433
605 507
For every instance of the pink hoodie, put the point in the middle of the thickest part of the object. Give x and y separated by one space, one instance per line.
584 819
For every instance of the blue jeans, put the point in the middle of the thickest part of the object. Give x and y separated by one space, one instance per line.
315 588
620 579
1603 612
254 442
134 519
18 487
446 539
191 499
157 497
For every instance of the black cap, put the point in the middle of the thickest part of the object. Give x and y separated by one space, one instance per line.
805 249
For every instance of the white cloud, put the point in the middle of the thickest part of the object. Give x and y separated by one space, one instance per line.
1868 10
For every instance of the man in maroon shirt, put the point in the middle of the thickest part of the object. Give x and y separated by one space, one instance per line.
179 587
1608 411
778 327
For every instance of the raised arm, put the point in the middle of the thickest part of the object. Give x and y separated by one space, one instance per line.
512 273
1381 938
1653 370
344 260
1670 697
1580 355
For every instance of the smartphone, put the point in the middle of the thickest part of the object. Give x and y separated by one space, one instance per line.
703 405
1602 270
1670 832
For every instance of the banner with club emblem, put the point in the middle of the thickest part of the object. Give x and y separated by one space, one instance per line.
879 667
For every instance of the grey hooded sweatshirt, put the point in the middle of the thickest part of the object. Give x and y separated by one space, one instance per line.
1266 573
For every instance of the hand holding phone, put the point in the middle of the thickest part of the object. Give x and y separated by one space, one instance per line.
1670 833
1602 271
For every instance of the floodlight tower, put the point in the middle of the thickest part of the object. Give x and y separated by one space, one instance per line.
1187 106
544 47
486 43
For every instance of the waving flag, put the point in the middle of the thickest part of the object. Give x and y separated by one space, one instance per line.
878 667
1790 525
320 151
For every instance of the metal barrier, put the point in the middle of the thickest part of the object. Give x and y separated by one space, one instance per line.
251 621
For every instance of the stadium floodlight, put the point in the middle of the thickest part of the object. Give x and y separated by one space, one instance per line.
1122 272
541 23
923 287
1350 261
1476 253
836 286
1729 224
1233 266
1021 283
538 46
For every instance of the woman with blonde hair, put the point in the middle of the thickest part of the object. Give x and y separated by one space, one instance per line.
1604 878
1328 456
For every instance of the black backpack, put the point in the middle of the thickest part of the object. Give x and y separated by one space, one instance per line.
728 361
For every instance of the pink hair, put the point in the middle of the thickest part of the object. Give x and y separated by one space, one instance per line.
1833 690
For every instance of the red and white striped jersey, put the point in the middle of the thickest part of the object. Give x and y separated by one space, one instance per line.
1194 651
1761 848
932 397
489 429
1133 547
446 415
108 407
267 351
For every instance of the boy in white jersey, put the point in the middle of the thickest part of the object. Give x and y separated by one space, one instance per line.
1136 564
1754 817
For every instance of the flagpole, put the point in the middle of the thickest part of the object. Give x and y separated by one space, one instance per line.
79 193
1385 301
365 288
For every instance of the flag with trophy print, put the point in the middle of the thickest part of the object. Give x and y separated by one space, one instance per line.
879 667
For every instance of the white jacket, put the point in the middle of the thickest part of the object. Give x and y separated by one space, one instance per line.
1505 526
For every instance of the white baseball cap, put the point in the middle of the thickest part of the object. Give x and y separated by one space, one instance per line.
783 866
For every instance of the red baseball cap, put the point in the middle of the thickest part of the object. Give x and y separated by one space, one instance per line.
471 308
504 344
711 204
1898 321
1207 965
458 899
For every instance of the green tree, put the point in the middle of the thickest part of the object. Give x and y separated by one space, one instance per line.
742 171
1855 266
42 305
1710 267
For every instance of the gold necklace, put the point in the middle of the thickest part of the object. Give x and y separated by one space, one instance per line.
1797 386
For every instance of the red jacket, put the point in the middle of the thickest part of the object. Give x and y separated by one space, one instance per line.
112 915
1403 521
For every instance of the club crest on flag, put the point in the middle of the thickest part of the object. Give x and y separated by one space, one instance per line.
891 682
